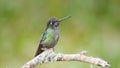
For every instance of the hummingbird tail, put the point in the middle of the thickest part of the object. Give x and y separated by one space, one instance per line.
39 50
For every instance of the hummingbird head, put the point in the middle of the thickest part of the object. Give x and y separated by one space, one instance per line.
54 22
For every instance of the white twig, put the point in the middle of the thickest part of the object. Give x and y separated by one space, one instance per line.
50 56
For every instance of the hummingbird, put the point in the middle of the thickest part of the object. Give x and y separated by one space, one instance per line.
50 36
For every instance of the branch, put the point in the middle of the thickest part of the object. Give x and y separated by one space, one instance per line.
50 56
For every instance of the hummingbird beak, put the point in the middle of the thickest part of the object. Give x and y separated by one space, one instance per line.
64 18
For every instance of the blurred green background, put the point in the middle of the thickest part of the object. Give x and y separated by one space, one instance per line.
94 26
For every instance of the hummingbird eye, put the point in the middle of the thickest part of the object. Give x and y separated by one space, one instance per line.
51 23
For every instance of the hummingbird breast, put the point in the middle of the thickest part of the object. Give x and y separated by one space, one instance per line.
52 38
56 33
56 38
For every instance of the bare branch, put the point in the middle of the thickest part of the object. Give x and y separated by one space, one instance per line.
50 56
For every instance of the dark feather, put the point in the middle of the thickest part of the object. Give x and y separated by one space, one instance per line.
39 49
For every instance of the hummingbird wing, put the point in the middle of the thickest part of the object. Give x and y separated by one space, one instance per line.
39 49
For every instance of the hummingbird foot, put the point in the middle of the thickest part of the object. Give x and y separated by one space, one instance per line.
44 49
51 49
47 48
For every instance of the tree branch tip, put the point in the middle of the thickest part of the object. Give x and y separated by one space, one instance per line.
103 63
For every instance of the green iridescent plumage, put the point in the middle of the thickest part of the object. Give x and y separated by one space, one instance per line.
48 37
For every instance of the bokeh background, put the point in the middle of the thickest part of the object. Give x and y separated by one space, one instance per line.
94 26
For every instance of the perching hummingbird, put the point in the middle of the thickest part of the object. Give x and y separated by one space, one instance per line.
50 36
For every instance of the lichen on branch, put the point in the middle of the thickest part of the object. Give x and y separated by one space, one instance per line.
50 56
